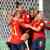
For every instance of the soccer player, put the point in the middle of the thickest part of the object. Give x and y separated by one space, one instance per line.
26 20
38 35
16 40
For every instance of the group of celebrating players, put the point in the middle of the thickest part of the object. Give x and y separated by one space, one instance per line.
26 25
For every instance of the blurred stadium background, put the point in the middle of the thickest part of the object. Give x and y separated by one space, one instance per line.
9 5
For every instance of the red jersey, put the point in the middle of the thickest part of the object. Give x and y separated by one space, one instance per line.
16 34
26 18
40 34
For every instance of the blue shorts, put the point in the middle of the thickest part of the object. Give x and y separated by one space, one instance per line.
38 44
17 46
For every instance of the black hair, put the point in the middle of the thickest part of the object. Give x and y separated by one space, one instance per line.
17 4
38 11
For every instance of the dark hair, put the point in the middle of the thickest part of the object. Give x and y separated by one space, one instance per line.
38 11
17 4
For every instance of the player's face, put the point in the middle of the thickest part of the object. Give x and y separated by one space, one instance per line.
35 12
18 14
19 8
32 13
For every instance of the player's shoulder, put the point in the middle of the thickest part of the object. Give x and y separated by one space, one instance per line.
15 18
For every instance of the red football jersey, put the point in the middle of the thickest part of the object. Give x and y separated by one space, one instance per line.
16 34
40 34
26 18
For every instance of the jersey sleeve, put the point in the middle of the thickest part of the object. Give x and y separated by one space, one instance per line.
41 25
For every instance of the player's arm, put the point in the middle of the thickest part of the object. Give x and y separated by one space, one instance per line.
36 28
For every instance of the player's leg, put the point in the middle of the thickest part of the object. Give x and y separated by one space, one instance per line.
34 45
21 46
41 44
